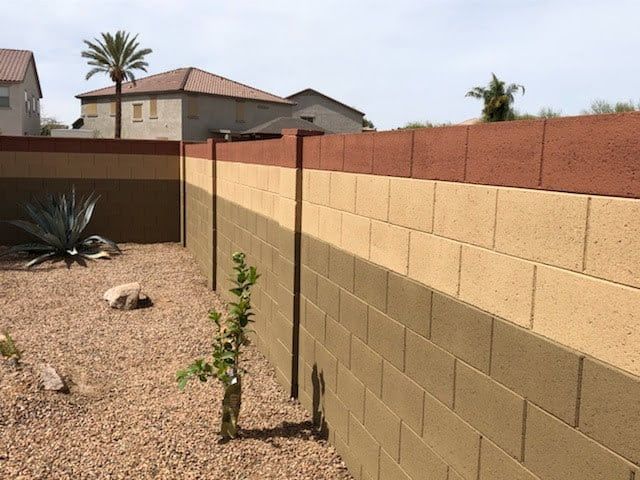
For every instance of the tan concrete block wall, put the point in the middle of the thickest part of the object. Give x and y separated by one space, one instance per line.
473 351
139 192
493 246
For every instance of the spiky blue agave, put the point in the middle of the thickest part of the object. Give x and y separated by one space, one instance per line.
58 222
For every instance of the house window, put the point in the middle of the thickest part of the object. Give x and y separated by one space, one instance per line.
308 119
4 97
153 107
91 109
26 102
192 107
137 112
112 109
239 111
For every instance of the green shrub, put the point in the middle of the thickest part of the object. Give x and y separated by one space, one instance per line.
231 336
8 348
58 223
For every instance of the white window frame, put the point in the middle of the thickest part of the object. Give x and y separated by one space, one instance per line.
7 96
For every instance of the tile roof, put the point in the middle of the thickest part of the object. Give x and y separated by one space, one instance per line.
312 90
14 64
276 126
189 80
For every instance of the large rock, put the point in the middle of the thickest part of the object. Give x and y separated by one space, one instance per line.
51 380
123 297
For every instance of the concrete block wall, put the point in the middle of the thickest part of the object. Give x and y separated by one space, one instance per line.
198 206
138 182
469 299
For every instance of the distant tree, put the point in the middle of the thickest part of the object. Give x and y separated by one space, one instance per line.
498 98
418 124
366 123
49 123
599 107
548 112
117 56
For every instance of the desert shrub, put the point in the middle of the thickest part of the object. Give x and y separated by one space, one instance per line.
230 337
599 107
8 348
58 221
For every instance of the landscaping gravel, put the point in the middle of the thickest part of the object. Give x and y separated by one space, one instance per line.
124 417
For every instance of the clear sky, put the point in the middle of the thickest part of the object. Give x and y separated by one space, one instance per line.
398 60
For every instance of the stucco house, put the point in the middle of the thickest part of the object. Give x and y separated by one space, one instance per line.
20 93
182 104
326 112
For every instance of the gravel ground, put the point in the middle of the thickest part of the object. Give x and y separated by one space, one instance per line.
124 416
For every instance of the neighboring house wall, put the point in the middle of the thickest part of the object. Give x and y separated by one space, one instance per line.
224 113
15 119
176 118
326 113
167 125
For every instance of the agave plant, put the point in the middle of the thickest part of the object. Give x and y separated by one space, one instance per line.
58 222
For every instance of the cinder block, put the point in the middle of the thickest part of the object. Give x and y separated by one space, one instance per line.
343 191
327 367
386 336
418 459
308 283
319 186
364 447
392 153
613 241
495 411
336 414
366 365
316 255
341 268
439 153
351 391
451 437
353 314
330 225
328 297
434 261
338 340
411 203
389 468
537 368
495 464
383 424
288 182
307 346
610 408
310 218
430 366
465 212
555 450
390 246
403 396
548 227
462 330
356 235
372 196
315 321
371 283
358 153
603 320
410 303
497 283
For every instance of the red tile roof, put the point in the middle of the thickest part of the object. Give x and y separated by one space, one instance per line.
14 64
189 80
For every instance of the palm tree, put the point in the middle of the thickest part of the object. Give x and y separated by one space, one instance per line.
117 56
498 98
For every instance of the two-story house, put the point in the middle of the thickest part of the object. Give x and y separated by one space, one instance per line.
326 112
20 93
182 104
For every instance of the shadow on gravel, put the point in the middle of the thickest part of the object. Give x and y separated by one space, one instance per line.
303 430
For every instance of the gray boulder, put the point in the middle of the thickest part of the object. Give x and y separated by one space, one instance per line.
51 380
123 297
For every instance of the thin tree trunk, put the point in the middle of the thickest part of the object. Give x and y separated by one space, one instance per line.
118 109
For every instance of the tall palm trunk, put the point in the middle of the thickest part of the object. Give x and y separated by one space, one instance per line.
118 109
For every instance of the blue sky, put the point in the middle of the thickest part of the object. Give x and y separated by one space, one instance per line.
398 61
